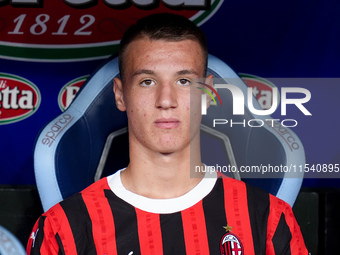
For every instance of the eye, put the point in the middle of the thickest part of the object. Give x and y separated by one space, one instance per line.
147 83
184 82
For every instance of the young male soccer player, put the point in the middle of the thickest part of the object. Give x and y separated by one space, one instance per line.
153 206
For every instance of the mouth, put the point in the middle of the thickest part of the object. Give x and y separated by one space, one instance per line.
167 123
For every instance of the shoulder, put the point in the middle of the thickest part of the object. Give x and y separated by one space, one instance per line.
100 185
268 215
258 200
60 226
77 202
241 188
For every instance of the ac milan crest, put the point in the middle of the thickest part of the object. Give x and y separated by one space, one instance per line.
231 244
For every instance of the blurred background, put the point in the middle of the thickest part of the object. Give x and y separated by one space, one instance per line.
47 50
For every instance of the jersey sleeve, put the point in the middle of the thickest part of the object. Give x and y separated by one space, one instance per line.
52 234
283 232
42 239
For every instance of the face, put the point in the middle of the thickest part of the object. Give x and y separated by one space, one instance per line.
156 94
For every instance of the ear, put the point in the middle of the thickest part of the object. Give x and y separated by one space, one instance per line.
209 81
119 94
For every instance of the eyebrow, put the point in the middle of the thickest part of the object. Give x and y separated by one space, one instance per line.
150 72
190 71
143 71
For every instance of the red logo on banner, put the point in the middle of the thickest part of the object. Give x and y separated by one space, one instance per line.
19 98
78 30
69 91
262 89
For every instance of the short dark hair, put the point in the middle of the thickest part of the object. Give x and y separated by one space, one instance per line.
163 26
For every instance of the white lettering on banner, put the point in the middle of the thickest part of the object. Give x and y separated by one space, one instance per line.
265 99
60 30
25 1
192 3
71 93
9 99
3 84
142 3
262 112
21 2
118 3
19 98
26 100
78 2
40 25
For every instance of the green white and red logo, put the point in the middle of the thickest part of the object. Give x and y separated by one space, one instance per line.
69 91
19 98
71 30
262 89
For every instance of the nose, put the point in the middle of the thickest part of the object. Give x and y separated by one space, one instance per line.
166 96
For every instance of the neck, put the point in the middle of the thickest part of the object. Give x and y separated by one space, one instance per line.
157 175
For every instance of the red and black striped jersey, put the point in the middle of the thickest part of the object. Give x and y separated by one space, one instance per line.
218 216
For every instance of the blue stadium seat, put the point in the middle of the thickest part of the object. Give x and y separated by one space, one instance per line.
9 244
89 141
